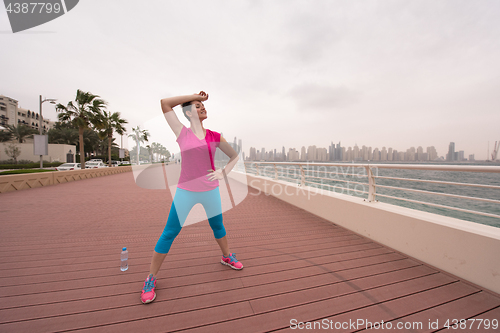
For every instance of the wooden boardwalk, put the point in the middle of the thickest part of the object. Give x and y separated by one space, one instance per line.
60 255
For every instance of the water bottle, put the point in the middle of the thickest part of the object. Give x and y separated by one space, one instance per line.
124 264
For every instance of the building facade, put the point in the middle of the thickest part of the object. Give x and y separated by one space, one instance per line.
12 114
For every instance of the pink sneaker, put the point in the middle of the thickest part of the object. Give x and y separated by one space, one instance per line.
231 261
148 292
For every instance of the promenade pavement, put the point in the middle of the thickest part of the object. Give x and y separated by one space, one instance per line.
60 256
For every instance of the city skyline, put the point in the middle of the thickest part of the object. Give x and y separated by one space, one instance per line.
364 155
336 152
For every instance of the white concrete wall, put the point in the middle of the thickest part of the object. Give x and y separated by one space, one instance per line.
466 249
10 183
57 152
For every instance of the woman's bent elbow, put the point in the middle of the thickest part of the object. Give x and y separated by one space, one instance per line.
165 107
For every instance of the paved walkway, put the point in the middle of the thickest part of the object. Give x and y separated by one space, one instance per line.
60 255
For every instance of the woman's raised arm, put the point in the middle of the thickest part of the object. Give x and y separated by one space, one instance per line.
168 104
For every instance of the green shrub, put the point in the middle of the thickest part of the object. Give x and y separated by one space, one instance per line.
15 172
30 165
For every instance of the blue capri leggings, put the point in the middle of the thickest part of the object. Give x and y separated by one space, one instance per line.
183 203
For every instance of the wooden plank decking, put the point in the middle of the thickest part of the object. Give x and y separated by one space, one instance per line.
59 268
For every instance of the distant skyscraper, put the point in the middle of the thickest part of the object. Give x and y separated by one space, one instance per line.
432 153
293 155
355 152
311 153
451 152
321 154
420 154
253 154
338 152
383 154
364 153
410 154
402 156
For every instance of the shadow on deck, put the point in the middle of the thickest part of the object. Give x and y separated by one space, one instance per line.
60 255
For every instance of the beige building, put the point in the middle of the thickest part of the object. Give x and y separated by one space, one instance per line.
383 154
12 114
390 156
432 153
311 153
322 154
303 154
293 155
8 110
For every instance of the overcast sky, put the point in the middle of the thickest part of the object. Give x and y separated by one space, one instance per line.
287 73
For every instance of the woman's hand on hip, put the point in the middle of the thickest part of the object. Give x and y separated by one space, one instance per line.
215 175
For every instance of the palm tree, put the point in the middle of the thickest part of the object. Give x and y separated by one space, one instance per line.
20 132
156 148
162 153
107 123
165 153
103 147
5 136
82 114
139 136
91 140
150 150
63 135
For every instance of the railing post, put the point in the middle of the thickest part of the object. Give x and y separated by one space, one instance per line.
371 184
275 172
302 176
257 169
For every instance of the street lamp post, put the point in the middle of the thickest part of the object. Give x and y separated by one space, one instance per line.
52 101
121 150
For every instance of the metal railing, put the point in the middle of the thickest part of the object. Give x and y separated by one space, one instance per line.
311 174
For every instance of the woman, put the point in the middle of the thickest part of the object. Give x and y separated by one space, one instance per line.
198 183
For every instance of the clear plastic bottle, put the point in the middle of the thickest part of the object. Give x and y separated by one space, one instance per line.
124 264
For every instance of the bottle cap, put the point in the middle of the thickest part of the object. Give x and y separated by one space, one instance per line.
124 249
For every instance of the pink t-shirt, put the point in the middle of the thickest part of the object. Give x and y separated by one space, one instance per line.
196 160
